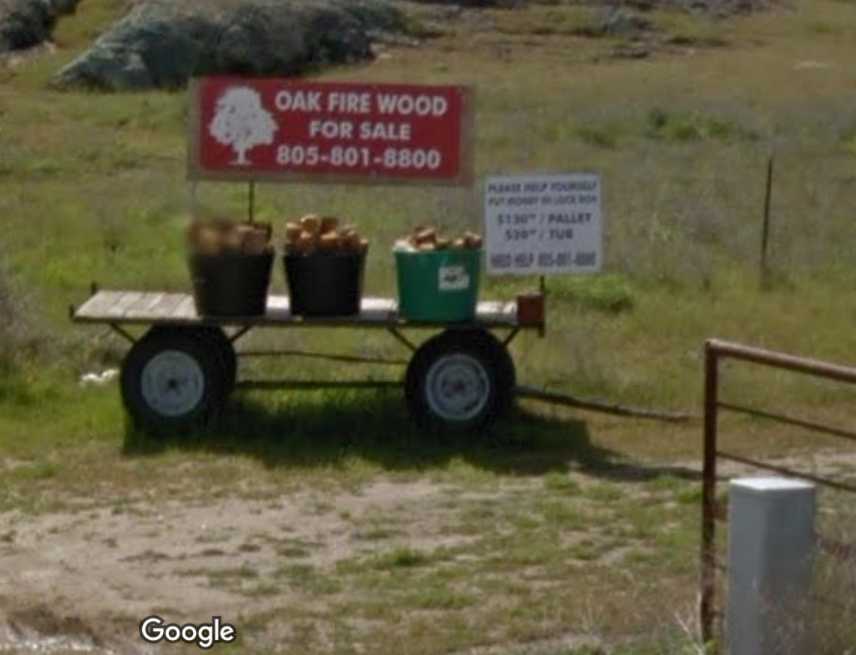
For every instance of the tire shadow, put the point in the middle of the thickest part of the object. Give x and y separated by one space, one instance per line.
315 429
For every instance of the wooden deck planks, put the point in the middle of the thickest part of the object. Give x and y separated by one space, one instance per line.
278 306
497 310
161 307
379 310
98 304
184 310
277 302
168 304
143 306
124 300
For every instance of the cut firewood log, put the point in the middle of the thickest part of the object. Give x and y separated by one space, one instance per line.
311 223
329 224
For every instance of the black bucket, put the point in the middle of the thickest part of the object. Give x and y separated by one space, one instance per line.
325 284
230 284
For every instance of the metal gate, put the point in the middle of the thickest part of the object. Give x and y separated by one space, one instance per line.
715 351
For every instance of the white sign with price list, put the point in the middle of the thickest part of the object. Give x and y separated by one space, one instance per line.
542 224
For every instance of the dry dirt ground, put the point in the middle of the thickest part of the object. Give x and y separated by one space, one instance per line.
80 581
64 574
108 565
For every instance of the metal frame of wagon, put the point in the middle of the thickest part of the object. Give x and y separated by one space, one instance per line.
165 314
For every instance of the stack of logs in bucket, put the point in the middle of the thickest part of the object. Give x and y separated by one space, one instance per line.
324 266
438 277
324 261
427 239
219 237
230 266
231 263
322 233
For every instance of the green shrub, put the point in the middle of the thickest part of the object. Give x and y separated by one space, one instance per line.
405 557
694 126
561 482
603 136
12 332
847 139
609 293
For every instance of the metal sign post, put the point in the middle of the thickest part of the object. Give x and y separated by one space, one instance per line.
252 201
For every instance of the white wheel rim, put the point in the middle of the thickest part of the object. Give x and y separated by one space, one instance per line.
173 383
457 387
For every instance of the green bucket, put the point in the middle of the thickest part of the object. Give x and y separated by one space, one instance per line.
438 286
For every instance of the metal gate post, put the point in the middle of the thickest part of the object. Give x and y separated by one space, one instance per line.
708 521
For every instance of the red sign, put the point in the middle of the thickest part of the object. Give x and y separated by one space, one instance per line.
292 130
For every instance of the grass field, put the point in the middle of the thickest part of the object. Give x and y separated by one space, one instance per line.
560 532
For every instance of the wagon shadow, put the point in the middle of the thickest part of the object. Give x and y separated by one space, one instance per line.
326 428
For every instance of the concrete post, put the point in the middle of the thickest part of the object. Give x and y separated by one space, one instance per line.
770 551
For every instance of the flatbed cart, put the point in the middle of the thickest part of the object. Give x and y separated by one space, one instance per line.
179 373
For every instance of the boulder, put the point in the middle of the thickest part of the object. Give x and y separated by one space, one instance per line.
721 7
162 43
478 4
620 22
27 23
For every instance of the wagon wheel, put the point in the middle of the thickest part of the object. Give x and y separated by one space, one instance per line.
171 383
226 351
460 380
215 338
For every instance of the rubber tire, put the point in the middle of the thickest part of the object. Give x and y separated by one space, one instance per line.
144 415
491 355
228 358
213 337
507 390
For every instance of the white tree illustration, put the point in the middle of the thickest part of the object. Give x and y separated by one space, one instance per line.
241 122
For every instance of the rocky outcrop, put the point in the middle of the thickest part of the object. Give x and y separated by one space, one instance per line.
709 7
162 43
479 4
27 23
